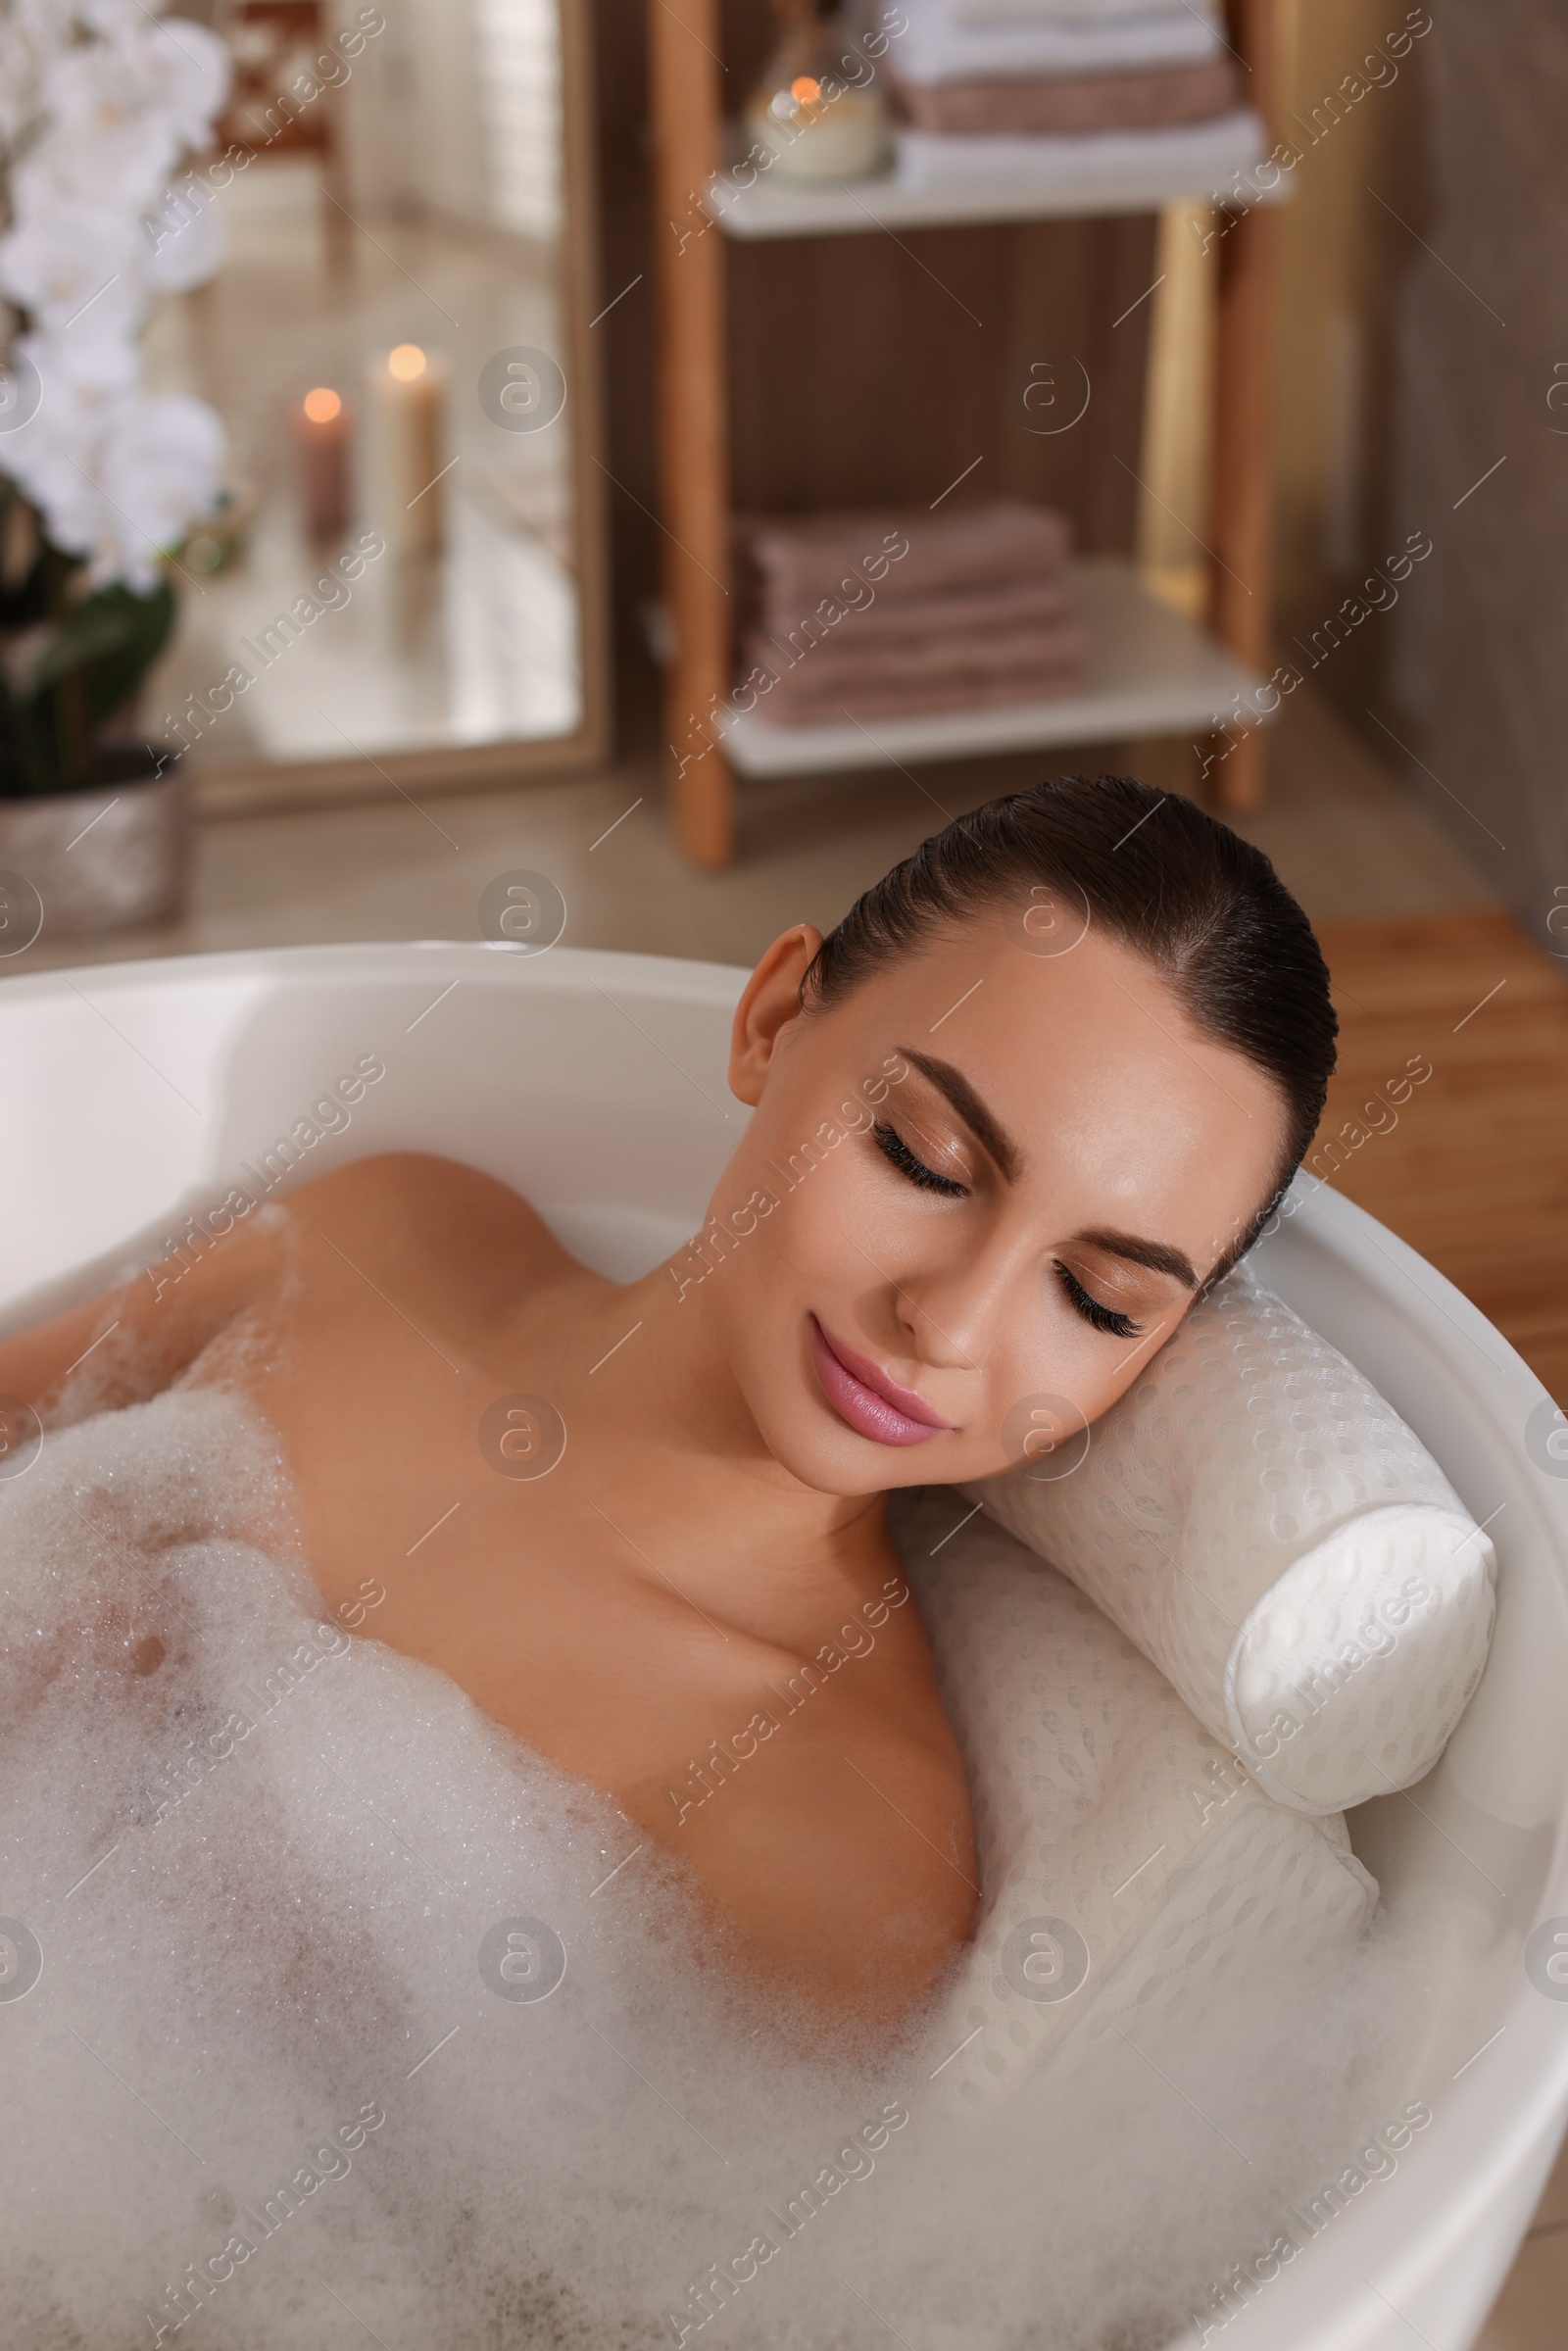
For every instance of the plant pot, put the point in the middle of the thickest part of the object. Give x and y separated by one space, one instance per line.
101 860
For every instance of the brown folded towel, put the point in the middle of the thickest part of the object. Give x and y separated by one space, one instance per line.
907 659
929 675
905 702
940 618
786 563
1155 99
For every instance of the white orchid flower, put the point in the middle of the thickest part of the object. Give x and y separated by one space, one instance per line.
100 102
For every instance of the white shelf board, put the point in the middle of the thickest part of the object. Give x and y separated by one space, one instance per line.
1150 672
1103 172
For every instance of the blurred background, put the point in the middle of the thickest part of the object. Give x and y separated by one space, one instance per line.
421 423
690 450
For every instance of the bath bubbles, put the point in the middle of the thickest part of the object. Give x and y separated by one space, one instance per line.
21 1959
523 1959
325 2007
20 1437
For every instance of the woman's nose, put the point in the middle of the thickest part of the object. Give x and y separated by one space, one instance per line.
955 1312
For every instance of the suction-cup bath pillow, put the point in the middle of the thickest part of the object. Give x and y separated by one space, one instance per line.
1266 1528
1130 1868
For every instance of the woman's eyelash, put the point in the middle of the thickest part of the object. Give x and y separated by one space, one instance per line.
893 1147
1103 1318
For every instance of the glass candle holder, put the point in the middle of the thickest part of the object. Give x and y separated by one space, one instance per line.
807 113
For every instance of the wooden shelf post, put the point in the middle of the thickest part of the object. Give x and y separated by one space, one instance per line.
1240 535
683 40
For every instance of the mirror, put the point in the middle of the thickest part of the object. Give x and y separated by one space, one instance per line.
404 584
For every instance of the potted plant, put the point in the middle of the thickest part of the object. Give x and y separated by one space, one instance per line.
100 479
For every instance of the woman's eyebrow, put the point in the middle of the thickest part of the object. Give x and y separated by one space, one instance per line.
1157 1256
970 1108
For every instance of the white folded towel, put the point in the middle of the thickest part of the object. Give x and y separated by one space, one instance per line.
952 40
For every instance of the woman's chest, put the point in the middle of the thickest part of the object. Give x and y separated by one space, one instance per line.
580 1592
489 1535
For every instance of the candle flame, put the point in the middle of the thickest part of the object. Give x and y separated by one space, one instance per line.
322 406
405 363
804 90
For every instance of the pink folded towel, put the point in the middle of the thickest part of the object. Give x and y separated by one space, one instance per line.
904 609
907 659
833 681
1074 104
786 563
798 706
936 619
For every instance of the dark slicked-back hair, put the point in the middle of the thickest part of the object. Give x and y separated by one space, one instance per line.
1153 871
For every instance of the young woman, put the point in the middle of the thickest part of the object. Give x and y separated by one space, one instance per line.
1039 1088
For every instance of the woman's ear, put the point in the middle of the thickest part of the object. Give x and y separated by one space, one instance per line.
770 1000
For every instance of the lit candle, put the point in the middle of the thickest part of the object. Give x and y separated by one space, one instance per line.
822 131
406 405
322 430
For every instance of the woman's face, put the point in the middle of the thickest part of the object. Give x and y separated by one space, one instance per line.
973 1199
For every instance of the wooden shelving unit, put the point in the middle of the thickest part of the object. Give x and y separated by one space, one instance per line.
1150 672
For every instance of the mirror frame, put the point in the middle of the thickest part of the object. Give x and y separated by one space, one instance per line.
261 785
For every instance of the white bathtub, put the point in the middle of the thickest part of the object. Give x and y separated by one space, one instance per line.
595 1084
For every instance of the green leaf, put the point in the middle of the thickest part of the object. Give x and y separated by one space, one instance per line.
28 763
113 638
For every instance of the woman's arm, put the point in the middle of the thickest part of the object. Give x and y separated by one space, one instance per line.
148 1330
137 1339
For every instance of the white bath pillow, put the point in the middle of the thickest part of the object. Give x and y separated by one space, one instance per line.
1268 1530
1127 1860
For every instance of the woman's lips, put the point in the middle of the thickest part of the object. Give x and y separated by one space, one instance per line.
865 1397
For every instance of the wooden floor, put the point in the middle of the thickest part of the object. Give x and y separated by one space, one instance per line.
1475 1172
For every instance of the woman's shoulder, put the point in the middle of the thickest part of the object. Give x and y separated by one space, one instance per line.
423 1207
412 1187
406 1182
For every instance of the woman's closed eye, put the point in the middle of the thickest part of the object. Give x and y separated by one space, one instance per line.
898 1152
1103 1318
891 1144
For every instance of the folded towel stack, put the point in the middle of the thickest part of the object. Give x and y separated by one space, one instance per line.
1022 67
859 614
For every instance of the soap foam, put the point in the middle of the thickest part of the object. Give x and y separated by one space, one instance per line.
273 2080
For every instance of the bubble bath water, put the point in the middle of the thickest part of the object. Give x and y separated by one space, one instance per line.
326 2007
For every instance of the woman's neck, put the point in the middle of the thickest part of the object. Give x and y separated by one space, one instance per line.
643 1385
